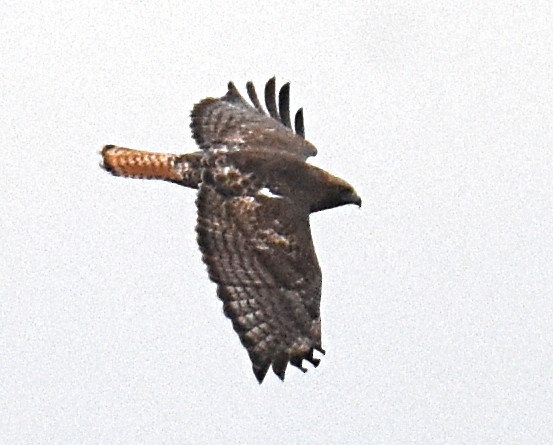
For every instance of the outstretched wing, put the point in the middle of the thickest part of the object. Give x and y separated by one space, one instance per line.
259 251
232 122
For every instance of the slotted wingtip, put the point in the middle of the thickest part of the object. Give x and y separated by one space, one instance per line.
321 350
260 371
298 123
279 366
280 374
232 91
252 93
284 105
270 98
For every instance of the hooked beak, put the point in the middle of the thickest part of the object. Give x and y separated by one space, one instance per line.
354 198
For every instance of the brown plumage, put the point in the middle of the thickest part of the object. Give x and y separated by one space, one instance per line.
255 195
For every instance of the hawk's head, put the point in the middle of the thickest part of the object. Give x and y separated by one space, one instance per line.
330 191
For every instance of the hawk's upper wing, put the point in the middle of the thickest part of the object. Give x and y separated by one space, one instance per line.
232 122
259 251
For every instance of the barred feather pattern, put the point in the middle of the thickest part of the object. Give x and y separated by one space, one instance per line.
259 251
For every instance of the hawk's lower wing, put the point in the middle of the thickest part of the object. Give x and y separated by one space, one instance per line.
259 251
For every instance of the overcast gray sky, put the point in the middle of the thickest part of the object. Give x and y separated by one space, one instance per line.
437 295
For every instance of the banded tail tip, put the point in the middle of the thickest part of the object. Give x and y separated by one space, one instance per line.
104 153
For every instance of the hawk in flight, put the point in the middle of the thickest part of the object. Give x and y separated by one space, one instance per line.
255 195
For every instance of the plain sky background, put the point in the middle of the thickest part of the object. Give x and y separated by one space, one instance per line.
437 295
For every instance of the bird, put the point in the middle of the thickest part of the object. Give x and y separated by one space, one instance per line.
255 194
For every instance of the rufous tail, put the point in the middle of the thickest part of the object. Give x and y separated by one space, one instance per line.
182 169
139 164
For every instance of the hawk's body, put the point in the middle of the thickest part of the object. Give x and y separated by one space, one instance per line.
255 195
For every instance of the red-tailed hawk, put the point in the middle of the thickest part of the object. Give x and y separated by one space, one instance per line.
255 195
